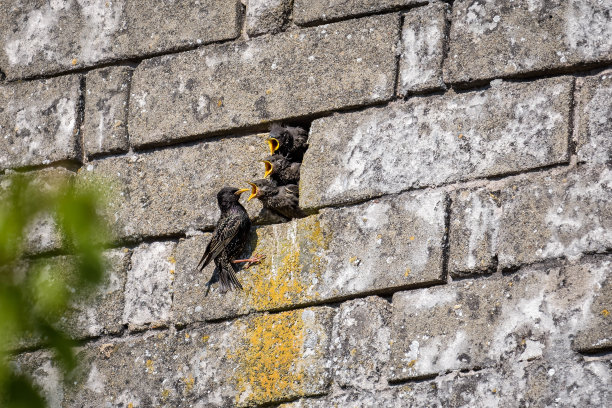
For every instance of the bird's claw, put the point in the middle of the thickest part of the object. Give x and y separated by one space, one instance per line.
250 261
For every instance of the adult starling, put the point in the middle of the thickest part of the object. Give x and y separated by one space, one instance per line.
281 170
288 141
283 200
228 239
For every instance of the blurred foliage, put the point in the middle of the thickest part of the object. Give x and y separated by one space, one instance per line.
35 293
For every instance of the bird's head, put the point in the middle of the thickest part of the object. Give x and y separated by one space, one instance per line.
274 144
273 164
228 196
261 188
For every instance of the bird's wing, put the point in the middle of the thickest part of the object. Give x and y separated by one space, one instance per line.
292 188
226 230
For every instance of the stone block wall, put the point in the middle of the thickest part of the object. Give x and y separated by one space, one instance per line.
458 184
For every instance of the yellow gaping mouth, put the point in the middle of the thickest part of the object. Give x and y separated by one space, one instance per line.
242 190
254 191
269 168
274 144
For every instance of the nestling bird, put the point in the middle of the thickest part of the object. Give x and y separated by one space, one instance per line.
281 170
283 200
228 240
288 141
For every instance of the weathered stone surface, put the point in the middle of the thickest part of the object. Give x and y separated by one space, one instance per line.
474 226
594 123
438 139
242 84
360 347
596 333
528 220
148 290
38 121
247 362
101 313
45 373
40 37
105 124
422 50
530 314
386 244
491 39
41 234
554 216
314 11
175 189
266 16
572 383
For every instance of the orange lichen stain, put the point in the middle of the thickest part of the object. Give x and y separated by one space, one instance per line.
205 339
411 363
353 352
412 238
292 262
74 61
171 259
605 313
165 394
189 381
220 103
494 390
460 136
150 367
187 336
269 360
407 272
130 405
268 91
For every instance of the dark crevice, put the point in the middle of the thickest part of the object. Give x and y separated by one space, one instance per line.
80 136
381 12
537 169
414 380
69 165
398 57
533 75
446 238
573 111
476 273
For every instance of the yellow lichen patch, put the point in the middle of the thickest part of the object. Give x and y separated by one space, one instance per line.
411 363
189 381
605 313
353 352
150 367
205 339
412 238
130 405
291 265
74 61
165 394
269 359
407 272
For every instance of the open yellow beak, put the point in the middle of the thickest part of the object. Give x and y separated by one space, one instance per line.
274 144
254 192
242 190
269 168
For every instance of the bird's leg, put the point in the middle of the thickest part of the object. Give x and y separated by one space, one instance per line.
250 261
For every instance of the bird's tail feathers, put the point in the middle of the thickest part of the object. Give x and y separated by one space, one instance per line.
228 278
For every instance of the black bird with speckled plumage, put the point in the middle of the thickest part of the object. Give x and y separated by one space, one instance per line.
281 171
283 200
229 238
288 141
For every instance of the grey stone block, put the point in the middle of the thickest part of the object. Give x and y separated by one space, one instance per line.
525 221
531 314
315 11
106 98
422 50
174 190
38 121
269 78
492 39
266 16
41 37
594 121
537 383
148 289
252 361
474 226
42 233
385 244
596 323
360 347
45 373
434 140
556 216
